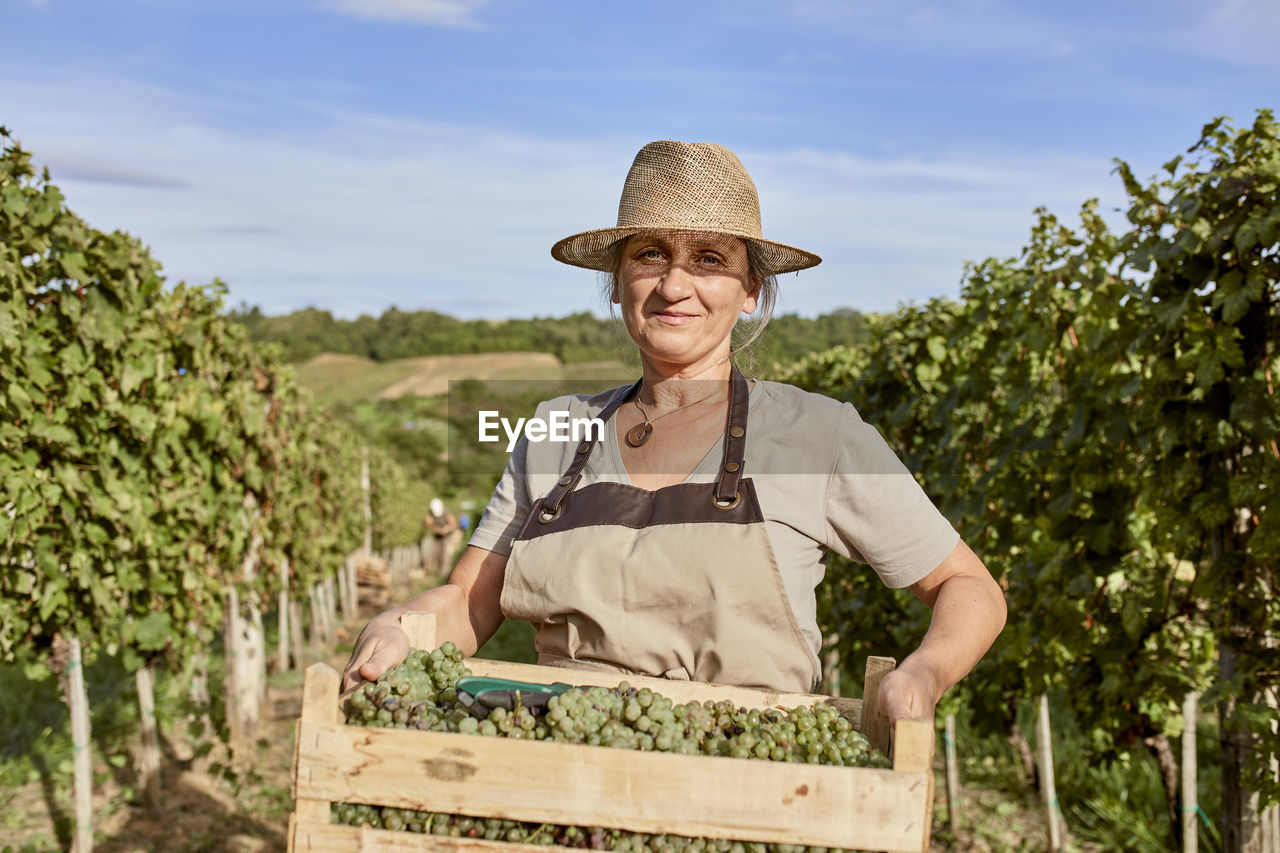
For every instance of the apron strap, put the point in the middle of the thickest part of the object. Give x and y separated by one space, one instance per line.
735 443
551 503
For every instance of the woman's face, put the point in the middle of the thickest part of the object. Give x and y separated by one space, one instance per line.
681 293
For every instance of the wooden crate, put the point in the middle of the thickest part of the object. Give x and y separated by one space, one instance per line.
574 784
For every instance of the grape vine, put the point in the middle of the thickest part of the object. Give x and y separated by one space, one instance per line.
1099 417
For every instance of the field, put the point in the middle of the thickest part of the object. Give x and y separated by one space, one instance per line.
350 379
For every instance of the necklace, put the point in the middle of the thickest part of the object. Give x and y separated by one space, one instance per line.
639 434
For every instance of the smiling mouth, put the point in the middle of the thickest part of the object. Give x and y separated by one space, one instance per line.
674 318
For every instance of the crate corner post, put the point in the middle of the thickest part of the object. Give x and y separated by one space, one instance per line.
913 750
319 709
420 626
875 725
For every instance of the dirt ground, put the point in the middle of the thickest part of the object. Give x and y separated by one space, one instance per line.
200 811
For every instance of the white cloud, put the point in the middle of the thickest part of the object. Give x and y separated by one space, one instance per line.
361 211
1243 32
966 27
440 13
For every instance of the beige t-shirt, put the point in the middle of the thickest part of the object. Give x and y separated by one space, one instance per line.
825 479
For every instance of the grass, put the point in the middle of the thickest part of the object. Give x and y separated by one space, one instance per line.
1112 804
349 379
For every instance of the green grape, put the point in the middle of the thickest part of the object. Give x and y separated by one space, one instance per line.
421 694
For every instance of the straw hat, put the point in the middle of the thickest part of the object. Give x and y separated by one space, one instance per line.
684 186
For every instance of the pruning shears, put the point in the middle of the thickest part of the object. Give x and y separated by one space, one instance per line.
481 694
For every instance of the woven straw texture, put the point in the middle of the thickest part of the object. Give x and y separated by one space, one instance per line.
684 186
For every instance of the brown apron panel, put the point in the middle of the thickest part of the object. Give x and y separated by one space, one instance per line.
679 582
703 598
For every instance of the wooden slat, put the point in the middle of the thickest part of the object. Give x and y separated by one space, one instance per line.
594 786
874 723
319 708
331 838
913 745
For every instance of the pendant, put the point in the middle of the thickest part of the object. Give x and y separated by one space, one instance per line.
639 434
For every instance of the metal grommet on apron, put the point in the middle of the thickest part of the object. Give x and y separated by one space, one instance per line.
678 582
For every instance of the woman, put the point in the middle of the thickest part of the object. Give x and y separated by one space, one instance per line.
688 541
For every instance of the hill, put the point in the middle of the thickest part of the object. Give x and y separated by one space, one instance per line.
349 379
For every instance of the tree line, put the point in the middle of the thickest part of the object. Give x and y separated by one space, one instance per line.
579 337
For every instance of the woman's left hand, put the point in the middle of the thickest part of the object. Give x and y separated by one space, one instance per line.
906 693
968 612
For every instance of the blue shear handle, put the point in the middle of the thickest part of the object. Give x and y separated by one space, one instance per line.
481 695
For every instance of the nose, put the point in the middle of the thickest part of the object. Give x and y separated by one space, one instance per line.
676 284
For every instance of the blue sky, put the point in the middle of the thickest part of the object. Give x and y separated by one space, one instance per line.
358 154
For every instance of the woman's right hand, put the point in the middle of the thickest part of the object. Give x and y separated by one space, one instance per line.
381 645
467 612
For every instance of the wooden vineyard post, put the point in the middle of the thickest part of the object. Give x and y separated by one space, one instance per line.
149 754
1190 798
282 619
344 592
245 682
1048 790
331 602
340 599
326 611
295 630
953 775
1271 816
353 585
67 651
233 642
315 633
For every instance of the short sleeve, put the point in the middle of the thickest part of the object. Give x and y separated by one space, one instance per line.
508 506
876 512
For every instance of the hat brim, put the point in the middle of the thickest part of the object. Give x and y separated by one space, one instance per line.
590 249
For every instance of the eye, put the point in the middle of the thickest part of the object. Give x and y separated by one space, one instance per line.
649 254
710 260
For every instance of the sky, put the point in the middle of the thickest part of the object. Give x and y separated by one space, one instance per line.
354 155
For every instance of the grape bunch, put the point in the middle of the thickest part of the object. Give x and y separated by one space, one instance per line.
421 693
526 832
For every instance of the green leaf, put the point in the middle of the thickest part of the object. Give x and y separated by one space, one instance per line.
152 631
132 377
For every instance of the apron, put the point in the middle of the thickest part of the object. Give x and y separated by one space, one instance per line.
680 582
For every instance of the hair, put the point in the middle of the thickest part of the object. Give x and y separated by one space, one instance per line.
747 332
